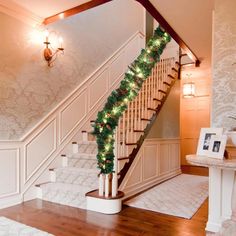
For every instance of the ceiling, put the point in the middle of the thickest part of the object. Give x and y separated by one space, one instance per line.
46 8
193 22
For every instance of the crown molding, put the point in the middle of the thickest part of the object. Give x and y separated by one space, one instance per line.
13 9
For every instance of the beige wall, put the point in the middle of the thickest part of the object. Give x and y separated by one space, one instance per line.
194 112
29 89
167 122
224 55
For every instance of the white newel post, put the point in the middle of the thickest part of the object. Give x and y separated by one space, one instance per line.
101 188
107 185
114 178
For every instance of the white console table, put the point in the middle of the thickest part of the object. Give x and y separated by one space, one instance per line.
222 191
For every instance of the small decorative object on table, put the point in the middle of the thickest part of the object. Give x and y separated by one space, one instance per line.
206 135
217 146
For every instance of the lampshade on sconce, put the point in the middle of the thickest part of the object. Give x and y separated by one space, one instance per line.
188 88
50 55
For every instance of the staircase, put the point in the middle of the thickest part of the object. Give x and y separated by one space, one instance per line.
79 174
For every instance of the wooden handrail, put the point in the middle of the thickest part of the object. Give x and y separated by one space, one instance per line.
75 10
160 19
146 4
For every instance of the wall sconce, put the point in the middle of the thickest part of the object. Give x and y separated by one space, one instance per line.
48 53
188 88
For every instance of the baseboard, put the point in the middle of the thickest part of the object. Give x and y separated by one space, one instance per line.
10 201
135 190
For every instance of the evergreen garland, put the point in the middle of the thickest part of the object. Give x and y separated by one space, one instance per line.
107 119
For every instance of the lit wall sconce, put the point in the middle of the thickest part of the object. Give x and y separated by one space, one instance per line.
50 55
188 88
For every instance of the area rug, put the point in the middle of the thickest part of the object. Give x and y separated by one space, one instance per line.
12 228
180 196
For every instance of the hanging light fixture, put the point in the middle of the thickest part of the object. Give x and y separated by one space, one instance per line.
188 88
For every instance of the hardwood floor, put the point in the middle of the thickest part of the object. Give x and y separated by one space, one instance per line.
68 221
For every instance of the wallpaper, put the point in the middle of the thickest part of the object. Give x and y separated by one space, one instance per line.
224 69
167 122
29 89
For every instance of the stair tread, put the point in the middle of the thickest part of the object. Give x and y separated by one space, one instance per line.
87 142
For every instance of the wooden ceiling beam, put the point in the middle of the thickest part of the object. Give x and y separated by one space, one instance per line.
73 11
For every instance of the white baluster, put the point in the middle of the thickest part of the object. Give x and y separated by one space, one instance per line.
132 122
128 125
115 169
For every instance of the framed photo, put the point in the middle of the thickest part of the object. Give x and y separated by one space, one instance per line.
205 138
217 146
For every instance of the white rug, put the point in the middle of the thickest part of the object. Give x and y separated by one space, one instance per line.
180 196
12 228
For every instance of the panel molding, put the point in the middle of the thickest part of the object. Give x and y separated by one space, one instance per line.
17 177
145 183
27 176
104 72
66 107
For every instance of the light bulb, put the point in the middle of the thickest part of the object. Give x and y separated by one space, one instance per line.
60 42
46 33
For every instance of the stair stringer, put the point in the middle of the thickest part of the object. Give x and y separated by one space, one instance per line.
156 161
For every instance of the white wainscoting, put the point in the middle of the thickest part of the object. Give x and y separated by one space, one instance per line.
9 172
25 162
157 160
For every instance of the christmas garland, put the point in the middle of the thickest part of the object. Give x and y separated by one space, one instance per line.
107 119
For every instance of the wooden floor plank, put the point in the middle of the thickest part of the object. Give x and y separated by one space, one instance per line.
68 221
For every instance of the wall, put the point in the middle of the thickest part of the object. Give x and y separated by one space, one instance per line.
194 112
167 122
26 163
29 89
224 55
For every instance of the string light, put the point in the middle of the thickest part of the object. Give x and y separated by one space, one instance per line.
116 104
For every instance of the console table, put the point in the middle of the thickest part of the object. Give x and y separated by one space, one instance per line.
222 190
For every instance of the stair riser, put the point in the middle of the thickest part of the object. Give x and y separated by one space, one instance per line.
85 147
88 164
82 179
65 198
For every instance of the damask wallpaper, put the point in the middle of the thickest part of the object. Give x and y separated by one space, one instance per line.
29 89
224 69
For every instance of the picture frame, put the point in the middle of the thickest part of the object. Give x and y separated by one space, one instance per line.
205 138
217 146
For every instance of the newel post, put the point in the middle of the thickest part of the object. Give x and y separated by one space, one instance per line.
115 168
108 183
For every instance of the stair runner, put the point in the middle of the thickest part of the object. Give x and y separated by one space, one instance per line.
70 183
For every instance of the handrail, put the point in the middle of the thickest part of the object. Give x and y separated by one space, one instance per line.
146 4
161 20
